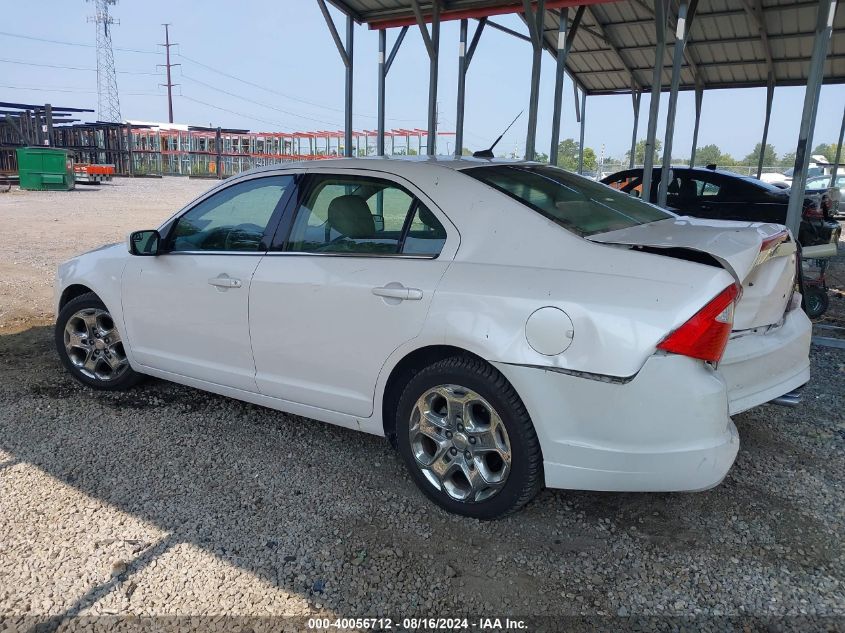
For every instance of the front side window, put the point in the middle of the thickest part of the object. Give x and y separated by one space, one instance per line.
579 205
233 219
364 216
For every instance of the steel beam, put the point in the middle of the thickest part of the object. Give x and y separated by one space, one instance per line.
504 29
583 122
48 121
129 145
384 64
347 107
614 46
382 76
838 156
770 96
218 152
346 55
534 20
635 98
432 45
660 10
824 28
677 59
560 71
699 97
462 82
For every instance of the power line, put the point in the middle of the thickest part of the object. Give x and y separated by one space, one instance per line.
77 90
241 114
63 43
40 65
258 103
280 94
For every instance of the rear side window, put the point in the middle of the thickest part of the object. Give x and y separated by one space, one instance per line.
579 205
364 216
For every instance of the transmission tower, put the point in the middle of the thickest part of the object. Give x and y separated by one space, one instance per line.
108 101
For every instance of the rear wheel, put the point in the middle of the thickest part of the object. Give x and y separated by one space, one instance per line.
468 440
91 347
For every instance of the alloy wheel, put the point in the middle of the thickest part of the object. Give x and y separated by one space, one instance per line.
94 345
460 443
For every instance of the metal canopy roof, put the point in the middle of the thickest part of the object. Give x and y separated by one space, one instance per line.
730 44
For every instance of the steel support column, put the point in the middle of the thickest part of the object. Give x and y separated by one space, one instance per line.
347 102
432 45
48 121
838 156
462 83
346 56
384 64
535 21
660 11
677 58
130 167
583 123
699 97
382 75
560 71
218 151
770 95
464 59
635 98
824 28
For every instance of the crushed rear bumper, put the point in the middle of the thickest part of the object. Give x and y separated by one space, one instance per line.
760 366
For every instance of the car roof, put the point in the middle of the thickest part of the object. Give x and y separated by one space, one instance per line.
394 164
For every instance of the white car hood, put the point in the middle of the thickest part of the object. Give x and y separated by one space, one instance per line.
736 245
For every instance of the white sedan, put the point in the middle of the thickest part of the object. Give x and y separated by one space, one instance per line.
507 325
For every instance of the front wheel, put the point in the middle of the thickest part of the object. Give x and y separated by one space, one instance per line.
468 440
91 347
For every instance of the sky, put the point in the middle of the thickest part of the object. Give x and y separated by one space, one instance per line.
285 47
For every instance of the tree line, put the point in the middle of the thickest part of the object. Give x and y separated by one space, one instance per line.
567 156
713 155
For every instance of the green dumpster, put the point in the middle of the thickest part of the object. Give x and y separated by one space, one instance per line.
45 168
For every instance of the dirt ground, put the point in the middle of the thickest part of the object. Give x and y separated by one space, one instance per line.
166 501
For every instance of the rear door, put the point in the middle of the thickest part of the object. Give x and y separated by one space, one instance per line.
350 279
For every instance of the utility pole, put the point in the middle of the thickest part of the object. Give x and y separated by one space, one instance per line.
168 65
108 101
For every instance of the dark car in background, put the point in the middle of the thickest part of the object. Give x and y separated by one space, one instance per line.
723 195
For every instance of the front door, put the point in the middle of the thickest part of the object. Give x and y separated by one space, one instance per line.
186 310
352 282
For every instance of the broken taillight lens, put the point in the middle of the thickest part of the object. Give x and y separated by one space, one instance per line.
705 335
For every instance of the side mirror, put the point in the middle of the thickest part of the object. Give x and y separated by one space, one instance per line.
144 243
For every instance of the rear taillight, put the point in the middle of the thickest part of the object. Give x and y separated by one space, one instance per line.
706 334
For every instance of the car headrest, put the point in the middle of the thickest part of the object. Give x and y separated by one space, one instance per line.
429 219
351 217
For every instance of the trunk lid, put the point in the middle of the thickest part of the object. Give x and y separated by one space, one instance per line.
755 254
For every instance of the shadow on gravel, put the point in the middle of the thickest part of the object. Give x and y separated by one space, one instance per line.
330 513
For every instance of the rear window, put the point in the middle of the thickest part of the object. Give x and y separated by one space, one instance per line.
577 204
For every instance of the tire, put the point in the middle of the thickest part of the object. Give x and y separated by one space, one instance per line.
476 452
816 302
91 347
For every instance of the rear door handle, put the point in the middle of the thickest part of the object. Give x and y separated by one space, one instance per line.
224 282
398 291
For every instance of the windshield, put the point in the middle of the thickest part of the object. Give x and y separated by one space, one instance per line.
577 204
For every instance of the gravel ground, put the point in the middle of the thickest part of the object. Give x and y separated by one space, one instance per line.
52 226
166 501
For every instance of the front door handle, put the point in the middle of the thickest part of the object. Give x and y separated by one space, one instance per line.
395 290
224 282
